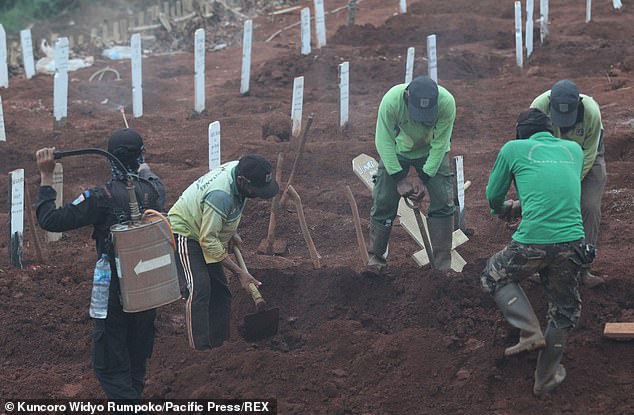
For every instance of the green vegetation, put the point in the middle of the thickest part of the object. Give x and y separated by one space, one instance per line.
15 15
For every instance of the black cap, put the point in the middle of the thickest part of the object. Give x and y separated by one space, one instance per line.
564 102
531 122
422 100
125 144
259 173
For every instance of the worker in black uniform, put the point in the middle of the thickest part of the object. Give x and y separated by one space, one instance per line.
121 342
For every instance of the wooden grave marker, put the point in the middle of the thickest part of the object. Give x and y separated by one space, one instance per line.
409 65
4 68
519 53
137 77
543 20
214 145
365 167
305 25
619 331
344 94
3 135
58 185
530 7
16 216
402 6
432 60
27 53
199 70
320 23
60 81
246 57
297 106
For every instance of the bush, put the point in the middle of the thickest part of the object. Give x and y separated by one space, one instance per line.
17 14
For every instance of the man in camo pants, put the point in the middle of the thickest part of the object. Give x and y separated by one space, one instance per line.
549 240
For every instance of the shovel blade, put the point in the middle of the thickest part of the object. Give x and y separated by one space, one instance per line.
261 324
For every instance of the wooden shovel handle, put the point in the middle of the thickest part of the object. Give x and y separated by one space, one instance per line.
259 301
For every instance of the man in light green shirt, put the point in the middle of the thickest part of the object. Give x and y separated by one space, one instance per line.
577 117
413 131
204 219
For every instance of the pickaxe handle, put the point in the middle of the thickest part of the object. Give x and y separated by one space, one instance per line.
259 301
423 232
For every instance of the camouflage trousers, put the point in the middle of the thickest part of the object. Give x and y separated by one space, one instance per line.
558 266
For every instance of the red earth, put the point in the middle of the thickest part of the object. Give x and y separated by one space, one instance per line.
415 343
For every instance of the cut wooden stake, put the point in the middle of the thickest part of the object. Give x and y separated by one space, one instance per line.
619 331
270 245
300 151
305 231
363 249
31 219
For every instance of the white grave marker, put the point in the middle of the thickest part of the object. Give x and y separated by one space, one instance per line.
530 8
519 53
3 136
344 93
246 57
16 216
459 170
27 53
402 6
60 80
214 145
4 70
305 22
409 65
58 185
543 20
588 11
320 23
432 61
137 77
617 4
199 70
297 104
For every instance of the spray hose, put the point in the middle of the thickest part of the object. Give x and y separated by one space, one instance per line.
152 212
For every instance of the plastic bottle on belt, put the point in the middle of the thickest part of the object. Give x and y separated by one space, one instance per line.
100 288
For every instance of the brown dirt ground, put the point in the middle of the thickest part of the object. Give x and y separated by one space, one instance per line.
413 344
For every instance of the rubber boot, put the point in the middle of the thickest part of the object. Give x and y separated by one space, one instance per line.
441 237
378 239
518 311
590 280
550 373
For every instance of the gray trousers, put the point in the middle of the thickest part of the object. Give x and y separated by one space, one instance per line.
592 187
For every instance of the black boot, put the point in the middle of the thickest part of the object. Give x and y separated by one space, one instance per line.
518 311
377 245
441 236
550 373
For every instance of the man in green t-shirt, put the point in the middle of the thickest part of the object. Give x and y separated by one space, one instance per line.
413 131
545 171
577 117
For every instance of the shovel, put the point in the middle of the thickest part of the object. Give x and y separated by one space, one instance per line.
423 232
263 323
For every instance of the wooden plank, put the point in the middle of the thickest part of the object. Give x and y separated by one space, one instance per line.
619 331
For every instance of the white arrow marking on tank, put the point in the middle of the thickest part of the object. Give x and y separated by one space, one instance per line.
154 263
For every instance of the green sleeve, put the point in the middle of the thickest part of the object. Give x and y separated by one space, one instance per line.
499 182
210 227
542 103
386 134
441 142
593 127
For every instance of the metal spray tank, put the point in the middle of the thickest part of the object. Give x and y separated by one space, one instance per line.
144 251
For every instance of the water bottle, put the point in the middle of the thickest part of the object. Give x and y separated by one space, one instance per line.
100 288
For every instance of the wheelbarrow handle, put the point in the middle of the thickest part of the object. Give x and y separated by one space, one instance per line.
259 301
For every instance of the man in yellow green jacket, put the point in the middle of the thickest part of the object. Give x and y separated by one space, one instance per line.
577 117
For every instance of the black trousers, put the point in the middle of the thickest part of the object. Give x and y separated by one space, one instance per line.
208 298
122 344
